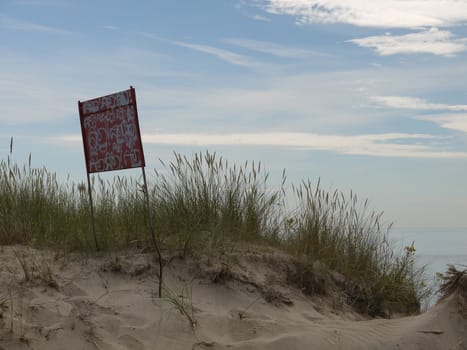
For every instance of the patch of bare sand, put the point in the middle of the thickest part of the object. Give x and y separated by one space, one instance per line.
111 302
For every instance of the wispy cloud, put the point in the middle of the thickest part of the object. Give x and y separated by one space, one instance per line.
378 145
260 18
151 36
110 27
380 13
25 98
457 122
20 25
273 49
225 55
403 102
433 41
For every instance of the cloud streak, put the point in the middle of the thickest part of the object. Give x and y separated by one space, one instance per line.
457 122
260 18
273 49
377 145
225 55
432 41
402 102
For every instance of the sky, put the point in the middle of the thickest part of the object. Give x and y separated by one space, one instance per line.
369 96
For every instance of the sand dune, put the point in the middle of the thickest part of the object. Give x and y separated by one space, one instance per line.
110 302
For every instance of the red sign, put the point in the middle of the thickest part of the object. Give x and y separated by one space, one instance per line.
111 135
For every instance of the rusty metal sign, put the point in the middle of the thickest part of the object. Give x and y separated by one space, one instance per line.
111 134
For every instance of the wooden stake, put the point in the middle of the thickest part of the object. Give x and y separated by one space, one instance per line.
152 232
92 213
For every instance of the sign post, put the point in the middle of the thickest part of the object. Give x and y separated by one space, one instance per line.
112 141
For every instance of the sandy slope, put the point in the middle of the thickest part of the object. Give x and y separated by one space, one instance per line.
110 303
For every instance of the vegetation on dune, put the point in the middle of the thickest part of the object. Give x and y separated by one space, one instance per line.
454 283
205 202
347 237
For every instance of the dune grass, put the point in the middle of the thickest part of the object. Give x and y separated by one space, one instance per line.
205 202
345 235
454 283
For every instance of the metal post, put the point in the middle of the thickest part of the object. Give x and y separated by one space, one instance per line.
92 213
152 232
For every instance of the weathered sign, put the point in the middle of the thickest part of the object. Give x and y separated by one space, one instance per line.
112 141
111 134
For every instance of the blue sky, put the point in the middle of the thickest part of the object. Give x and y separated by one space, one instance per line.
367 95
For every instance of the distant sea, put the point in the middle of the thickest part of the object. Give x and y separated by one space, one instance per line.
435 247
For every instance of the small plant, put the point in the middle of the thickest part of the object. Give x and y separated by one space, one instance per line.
26 266
7 301
454 282
10 295
183 303
242 314
223 273
34 271
46 276
3 304
20 312
311 278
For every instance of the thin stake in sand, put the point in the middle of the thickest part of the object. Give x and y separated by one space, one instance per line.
152 232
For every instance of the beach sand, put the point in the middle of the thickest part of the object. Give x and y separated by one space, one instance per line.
74 301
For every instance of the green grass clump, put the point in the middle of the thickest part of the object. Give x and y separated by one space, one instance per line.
204 199
347 237
205 202
36 208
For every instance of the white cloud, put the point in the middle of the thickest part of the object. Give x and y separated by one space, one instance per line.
305 102
415 103
273 49
433 41
457 122
71 139
379 145
376 13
